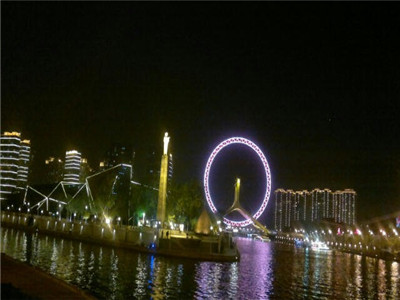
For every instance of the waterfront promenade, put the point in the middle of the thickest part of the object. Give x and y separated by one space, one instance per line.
142 239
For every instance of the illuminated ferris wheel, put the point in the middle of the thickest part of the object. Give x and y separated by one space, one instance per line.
255 148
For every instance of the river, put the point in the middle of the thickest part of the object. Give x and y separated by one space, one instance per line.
265 271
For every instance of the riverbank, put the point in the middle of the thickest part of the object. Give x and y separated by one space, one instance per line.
375 250
22 281
141 239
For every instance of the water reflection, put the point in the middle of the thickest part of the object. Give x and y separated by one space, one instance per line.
113 273
381 279
266 270
249 279
394 268
28 247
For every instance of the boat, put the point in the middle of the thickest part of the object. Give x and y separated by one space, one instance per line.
261 238
317 245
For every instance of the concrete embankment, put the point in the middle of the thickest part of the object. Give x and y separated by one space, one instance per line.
22 281
143 239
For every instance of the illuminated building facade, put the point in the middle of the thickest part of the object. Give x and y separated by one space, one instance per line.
14 163
24 161
344 206
280 195
303 206
288 209
72 167
321 204
306 207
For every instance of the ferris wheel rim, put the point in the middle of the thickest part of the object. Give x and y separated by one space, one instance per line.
214 153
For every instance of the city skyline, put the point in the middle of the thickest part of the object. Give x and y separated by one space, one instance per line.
319 96
216 150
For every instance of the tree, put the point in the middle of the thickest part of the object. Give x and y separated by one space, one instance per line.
78 204
144 200
185 203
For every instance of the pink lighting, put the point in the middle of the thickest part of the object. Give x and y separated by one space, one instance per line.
243 141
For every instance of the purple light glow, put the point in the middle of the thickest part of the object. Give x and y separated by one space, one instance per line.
243 141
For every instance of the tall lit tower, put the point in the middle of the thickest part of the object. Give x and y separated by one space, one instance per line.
24 160
14 163
72 167
10 145
162 191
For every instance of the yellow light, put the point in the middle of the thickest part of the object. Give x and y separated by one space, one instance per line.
72 152
14 133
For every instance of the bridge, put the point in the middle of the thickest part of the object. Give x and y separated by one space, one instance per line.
236 206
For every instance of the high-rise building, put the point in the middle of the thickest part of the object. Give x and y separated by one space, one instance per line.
316 204
10 149
307 207
321 204
119 154
303 204
72 167
151 168
54 170
121 191
24 162
344 206
86 170
287 209
280 196
14 163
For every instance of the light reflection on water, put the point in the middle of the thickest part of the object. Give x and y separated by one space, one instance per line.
266 270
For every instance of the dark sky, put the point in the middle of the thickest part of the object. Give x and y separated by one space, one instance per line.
315 85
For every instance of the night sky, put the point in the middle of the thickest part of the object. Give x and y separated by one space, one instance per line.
315 85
